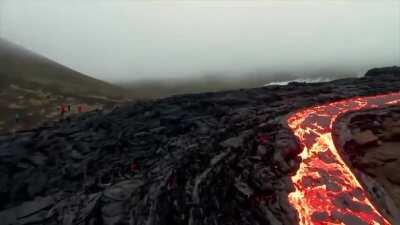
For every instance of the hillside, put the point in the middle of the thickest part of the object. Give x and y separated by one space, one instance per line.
34 87
25 68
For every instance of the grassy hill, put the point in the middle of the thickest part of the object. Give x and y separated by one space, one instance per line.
23 67
34 87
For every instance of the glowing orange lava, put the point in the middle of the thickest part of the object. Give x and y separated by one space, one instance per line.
326 190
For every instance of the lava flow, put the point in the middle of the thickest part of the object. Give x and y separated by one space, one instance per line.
326 190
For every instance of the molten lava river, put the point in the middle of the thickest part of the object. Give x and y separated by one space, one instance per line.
326 190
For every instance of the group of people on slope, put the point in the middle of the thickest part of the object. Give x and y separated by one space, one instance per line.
62 109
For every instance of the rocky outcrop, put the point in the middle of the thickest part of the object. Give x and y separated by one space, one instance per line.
386 71
211 158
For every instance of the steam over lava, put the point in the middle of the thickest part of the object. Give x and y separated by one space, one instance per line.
326 190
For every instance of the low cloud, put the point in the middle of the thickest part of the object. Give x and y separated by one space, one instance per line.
132 40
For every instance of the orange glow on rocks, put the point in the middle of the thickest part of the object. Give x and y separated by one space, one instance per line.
326 190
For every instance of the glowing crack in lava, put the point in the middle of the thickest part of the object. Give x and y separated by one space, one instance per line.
326 190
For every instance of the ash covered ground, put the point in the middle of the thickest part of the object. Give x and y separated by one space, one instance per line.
212 158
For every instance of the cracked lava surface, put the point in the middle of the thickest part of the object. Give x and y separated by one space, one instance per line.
326 190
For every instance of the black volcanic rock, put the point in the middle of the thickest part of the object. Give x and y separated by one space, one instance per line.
391 71
210 158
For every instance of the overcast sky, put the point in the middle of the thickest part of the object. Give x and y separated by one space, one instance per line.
120 40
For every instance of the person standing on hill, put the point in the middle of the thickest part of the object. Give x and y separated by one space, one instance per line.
17 117
79 108
62 110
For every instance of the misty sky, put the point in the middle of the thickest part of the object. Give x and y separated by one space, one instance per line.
120 40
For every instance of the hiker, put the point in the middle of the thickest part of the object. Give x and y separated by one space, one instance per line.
62 110
79 108
17 117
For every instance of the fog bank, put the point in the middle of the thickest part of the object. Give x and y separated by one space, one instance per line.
131 40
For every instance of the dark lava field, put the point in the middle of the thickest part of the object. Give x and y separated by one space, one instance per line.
199 159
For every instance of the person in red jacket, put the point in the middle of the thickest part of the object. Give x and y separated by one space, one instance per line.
79 108
63 110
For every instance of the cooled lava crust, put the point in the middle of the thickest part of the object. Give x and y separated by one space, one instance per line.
211 158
